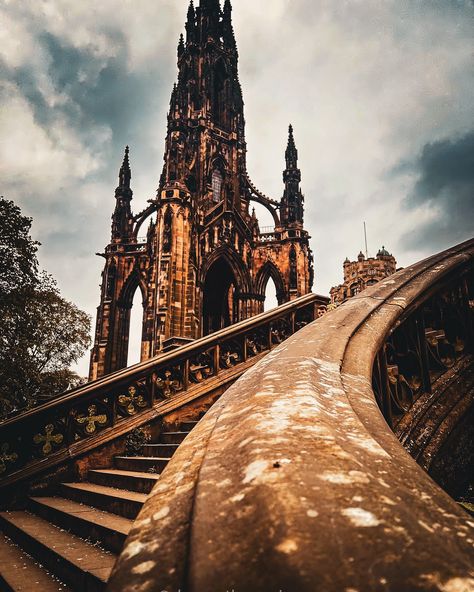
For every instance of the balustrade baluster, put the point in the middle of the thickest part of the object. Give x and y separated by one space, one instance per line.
420 328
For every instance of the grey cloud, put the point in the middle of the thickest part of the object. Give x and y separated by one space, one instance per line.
446 185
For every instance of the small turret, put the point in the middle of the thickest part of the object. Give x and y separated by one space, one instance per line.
291 154
191 24
122 216
228 34
180 46
292 202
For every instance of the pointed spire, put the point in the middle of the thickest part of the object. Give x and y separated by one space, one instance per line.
292 201
227 27
122 216
125 174
291 154
210 5
191 23
174 96
209 14
180 46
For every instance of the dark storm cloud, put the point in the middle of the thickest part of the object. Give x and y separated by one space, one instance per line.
445 185
99 91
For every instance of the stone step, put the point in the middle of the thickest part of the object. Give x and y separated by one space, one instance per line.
144 464
187 426
173 437
89 523
118 501
132 480
162 450
76 562
21 573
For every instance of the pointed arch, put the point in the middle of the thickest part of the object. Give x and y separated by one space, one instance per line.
270 270
134 280
236 263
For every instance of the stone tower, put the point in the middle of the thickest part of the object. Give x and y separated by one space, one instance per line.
204 263
362 273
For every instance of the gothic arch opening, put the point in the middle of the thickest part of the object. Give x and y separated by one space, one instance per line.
270 285
220 297
130 321
271 298
135 331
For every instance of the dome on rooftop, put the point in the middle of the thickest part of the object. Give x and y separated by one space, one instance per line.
383 253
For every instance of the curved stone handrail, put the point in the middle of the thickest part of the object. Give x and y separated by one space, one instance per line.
293 481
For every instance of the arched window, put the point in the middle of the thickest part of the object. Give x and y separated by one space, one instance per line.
216 186
271 300
135 331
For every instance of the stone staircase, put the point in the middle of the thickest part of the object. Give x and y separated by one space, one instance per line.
71 541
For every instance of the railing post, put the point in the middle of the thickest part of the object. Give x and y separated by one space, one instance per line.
217 351
423 351
468 316
385 394
186 374
244 348
152 389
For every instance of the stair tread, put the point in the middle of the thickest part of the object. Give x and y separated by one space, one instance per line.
122 473
108 491
174 433
87 513
22 573
77 552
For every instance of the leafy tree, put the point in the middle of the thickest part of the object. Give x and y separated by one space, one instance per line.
41 333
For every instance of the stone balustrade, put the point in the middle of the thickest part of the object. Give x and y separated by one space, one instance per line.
295 481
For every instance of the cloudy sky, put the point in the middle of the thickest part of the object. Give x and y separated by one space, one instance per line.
380 93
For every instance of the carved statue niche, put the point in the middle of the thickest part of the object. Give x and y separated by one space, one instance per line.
111 277
293 269
167 231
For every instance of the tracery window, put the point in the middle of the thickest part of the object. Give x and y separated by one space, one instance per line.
216 186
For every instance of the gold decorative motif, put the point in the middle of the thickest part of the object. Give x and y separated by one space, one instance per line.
133 402
48 439
167 385
6 457
91 420
200 368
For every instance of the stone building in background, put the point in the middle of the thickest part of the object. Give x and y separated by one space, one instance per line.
205 262
362 273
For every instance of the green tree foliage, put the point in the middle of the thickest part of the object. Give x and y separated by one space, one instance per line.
41 333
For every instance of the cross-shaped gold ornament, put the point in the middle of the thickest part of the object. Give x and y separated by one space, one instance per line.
6 457
48 438
92 419
133 401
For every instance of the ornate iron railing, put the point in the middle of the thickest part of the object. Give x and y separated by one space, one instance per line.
425 343
47 434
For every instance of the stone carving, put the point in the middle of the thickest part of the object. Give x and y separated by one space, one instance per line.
7 457
48 440
92 421
168 383
201 367
131 403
